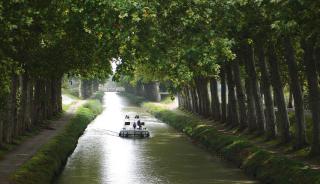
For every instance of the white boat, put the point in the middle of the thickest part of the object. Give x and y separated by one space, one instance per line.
134 129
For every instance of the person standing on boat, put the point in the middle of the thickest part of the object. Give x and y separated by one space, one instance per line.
134 125
139 124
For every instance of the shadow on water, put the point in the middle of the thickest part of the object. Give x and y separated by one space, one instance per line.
166 157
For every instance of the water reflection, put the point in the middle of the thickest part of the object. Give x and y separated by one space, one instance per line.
167 157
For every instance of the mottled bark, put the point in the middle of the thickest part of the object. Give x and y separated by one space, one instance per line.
279 95
202 90
85 88
241 98
295 90
314 93
233 115
251 71
223 95
267 92
11 120
252 121
23 110
152 91
215 102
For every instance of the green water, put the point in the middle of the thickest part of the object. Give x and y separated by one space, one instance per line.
166 157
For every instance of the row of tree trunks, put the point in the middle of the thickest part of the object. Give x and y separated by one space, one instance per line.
203 96
262 111
140 91
88 87
282 114
267 92
251 71
297 94
240 95
29 102
152 91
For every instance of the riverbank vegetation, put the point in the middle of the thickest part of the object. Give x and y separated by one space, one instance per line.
261 164
47 163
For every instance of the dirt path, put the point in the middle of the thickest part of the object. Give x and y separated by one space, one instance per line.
23 152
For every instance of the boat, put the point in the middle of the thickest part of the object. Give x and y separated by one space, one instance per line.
134 129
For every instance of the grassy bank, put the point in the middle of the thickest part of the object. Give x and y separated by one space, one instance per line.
263 165
51 157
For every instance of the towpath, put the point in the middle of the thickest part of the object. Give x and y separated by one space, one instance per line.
24 151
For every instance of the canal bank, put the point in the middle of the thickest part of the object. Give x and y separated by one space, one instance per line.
263 165
167 157
48 161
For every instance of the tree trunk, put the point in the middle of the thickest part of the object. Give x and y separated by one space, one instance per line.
189 99
295 90
85 91
290 105
193 103
251 71
202 89
38 115
11 122
223 95
200 97
252 121
95 85
279 96
240 95
195 100
215 102
152 91
48 96
140 89
317 57
59 94
314 97
23 114
267 92
2 123
233 115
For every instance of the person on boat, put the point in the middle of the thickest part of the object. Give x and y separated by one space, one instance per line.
139 123
127 117
134 125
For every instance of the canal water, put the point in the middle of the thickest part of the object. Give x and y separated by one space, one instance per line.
101 157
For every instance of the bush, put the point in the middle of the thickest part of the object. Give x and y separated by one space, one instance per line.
94 105
98 95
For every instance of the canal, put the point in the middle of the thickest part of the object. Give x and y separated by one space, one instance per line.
101 157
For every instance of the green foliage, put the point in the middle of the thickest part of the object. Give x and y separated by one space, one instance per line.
95 106
98 96
47 162
308 119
